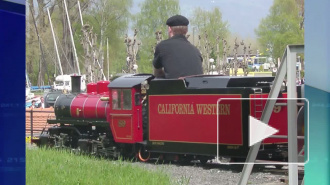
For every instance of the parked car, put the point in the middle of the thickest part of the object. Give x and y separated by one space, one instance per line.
51 97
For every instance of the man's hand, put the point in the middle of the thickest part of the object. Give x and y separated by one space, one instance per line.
159 73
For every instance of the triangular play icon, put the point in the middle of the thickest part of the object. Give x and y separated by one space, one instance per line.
259 131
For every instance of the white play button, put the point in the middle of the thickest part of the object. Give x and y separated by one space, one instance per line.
259 131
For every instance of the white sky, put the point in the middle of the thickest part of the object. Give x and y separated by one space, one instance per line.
243 16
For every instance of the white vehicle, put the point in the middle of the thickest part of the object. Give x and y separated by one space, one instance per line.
28 94
63 82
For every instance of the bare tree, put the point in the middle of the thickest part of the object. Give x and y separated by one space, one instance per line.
88 44
68 54
207 52
225 66
132 48
219 64
234 66
159 38
244 64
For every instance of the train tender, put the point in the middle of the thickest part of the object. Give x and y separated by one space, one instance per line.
174 119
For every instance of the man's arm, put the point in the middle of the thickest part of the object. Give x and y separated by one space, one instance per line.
158 67
200 55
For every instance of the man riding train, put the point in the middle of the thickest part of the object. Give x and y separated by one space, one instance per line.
177 57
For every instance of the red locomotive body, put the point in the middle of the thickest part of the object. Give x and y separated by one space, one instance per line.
89 106
195 116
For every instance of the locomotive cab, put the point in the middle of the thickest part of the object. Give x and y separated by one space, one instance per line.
126 108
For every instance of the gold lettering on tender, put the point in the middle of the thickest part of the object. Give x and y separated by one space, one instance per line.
199 109
163 109
210 109
203 105
214 109
176 108
192 109
185 108
202 109
221 109
159 106
227 109
207 108
173 108
180 109
224 109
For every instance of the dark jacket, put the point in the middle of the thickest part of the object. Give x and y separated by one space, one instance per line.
178 57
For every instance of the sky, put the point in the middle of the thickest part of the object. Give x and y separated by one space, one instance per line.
243 16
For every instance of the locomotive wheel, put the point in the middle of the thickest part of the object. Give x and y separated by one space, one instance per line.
145 119
203 161
237 160
143 155
278 167
184 160
77 151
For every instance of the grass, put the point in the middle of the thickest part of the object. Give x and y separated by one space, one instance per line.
45 166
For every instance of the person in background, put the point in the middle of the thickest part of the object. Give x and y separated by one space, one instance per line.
303 81
42 102
33 104
177 57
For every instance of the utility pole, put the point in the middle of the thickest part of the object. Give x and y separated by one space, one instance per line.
82 22
108 59
73 45
41 50
57 54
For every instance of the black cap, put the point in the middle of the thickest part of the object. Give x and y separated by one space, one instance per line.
177 20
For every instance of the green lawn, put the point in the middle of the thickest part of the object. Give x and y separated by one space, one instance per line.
44 166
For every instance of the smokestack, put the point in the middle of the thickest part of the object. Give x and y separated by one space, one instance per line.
75 84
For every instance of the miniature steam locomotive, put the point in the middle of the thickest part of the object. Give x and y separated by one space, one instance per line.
139 116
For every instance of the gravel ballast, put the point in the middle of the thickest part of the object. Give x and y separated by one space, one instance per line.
214 173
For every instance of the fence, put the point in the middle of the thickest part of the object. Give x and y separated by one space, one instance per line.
36 121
